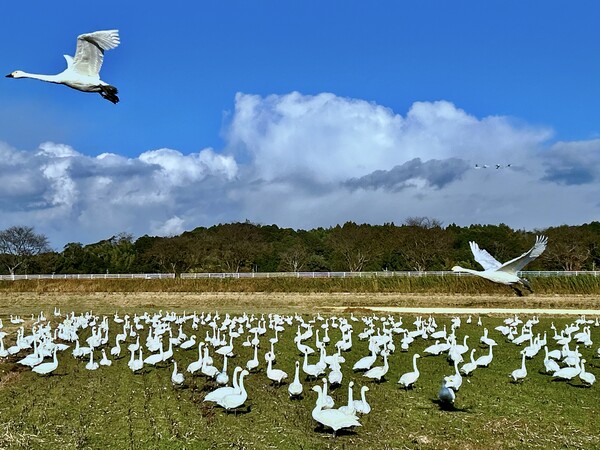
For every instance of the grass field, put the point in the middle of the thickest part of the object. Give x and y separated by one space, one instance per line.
115 408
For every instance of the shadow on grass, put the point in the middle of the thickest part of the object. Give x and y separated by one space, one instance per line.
322 429
451 407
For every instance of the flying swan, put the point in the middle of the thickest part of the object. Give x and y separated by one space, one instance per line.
83 71
505 273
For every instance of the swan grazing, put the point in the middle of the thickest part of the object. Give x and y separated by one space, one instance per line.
409 378
505 273
332 418
83 71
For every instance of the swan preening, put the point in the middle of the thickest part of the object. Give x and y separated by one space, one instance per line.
505 273
83 70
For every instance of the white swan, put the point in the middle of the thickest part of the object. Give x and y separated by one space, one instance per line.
332 418
91 365
378 372
105 361
234 401
361 406
217 394
485 360
549 364
83 71
349 407
445 394
454 381
276 375
469 367
568 373
295 388
222 377
195 366
409 378
366 362
505 273
521 373
176 377
46 368
253 363
586 377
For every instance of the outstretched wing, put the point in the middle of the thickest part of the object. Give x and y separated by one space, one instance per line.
514 265
89 54
487 261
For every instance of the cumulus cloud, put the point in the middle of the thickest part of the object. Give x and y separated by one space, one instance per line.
306 161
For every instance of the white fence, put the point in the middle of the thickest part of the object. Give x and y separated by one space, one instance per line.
382 274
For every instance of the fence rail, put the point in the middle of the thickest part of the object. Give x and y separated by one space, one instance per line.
204 275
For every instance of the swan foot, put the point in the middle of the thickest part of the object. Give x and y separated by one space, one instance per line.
109 93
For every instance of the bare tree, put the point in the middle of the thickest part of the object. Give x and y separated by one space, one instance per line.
19 244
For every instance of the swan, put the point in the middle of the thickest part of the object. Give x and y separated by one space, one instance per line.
445 394
253 363
176 377
586 377
520 374
234 401
155 358
195 366
361 406
349 408
105 361
295 388
332 418
470 366
378 372
409 378
221 392
46 368
568 373
454 381
549 364
83 70
485 339
366 362
505 273
313 370
485 360
92 365
222 378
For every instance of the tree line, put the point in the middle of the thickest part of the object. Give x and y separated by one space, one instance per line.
418 244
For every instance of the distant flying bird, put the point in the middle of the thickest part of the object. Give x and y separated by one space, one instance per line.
83 71
477 166
505 273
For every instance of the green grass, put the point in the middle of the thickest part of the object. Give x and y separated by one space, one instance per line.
114 408
581 284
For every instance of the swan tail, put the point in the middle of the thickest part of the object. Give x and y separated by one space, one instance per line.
109 93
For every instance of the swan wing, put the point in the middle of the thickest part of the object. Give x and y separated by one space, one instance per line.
89 54
487 261
514 265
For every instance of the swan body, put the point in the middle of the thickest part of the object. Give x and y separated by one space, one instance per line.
378 372
445 394
586 377
105 361
485 360
276 375
469 367
83 70
504 273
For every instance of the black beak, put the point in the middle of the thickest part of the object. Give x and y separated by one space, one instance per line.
10 75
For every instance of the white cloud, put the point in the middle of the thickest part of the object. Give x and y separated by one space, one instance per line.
306 161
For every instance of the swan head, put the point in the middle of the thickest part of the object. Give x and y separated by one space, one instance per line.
457 269
16 74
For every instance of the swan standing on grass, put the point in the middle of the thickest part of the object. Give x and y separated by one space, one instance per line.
83 71
219 393
332 418
361 406
446 395
234 401
176 377
505 273
46 368
409 378
295 388
520 374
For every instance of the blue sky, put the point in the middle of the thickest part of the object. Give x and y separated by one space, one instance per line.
364 111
